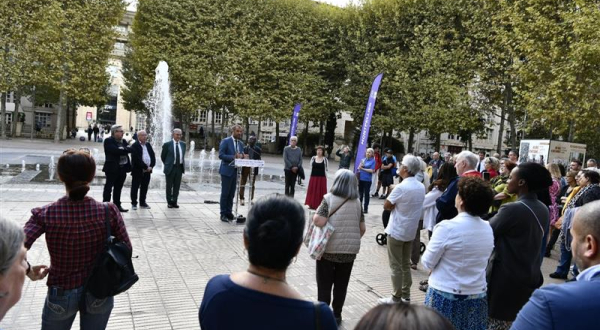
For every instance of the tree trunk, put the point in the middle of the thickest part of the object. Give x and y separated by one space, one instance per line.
411 140
501 130
258 129
59 116
571 130
212 125
438 141
33 113
511 116
247 129
16 118
321 128
305 142
277 137
330 132
3 116
68 119
222 135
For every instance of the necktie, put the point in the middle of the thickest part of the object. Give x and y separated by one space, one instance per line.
177 153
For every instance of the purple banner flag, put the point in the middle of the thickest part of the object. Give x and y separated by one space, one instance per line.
294 122
366 125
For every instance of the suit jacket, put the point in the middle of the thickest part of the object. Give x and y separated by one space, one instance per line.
113 151
514 270
227 155
168 156
137 160
562 307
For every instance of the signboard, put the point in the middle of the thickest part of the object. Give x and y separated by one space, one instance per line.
88 116
249 163
548 151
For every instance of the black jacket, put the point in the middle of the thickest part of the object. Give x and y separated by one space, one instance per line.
113 152
137 160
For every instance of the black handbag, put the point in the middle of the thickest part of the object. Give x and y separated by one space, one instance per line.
113 271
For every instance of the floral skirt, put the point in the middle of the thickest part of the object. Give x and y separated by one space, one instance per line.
465 312
317 188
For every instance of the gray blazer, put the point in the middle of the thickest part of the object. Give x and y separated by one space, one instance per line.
168 156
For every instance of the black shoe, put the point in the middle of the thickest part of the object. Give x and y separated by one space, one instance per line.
122 210
175 205
145 206
134 207
230 217
382 197
338 320
224 219
169 205
375 195
558 276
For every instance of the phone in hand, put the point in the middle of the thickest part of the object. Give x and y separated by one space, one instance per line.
486 176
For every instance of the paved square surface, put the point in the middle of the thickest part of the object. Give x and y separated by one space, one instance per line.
178 250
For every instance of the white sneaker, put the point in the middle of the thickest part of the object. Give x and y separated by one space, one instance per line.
388 300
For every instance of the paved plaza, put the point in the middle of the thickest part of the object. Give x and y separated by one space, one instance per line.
177 251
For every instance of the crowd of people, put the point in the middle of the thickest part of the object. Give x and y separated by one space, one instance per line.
490 220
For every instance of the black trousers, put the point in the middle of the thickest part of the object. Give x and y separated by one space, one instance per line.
139 181
290 182
114 184
336 275
173 183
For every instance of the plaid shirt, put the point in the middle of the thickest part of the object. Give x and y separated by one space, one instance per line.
75 235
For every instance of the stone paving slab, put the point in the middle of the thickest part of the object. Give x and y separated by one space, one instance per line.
178 251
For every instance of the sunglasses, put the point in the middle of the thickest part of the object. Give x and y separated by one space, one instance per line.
84 150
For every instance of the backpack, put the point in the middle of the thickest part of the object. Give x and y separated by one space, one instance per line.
113 271
394 168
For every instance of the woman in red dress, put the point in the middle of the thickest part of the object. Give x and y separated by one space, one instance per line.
317 186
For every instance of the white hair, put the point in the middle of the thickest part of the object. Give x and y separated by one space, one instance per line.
470 158
345 184
11 240
177 130
412 164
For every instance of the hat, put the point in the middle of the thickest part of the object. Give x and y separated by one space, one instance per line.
389 151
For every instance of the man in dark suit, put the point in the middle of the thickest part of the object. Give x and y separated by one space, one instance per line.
230 148
172 155
143 161
116 165
571 305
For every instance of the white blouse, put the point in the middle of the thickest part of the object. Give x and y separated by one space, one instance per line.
458 254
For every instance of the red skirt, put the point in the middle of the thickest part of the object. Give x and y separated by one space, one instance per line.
317 188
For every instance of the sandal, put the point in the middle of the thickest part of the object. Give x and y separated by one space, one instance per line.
424 282
424 287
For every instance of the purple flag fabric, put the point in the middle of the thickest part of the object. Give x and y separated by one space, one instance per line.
366 125
294 122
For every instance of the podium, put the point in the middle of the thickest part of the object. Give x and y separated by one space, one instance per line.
239 163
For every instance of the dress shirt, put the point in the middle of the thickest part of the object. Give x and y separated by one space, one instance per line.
175 148
458 254
588 273
480 166
145 155
407 198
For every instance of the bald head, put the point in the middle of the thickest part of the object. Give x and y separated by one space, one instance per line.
586 235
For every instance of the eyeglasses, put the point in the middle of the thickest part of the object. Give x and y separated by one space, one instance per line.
84 150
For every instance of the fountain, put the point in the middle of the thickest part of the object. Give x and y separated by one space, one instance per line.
7 166
191 156
212 160
23 166
37 167
159 103
51 167
202 158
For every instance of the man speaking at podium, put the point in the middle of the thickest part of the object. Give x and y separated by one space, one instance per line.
231 148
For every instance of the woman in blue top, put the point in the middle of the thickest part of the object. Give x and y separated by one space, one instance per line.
260 297
366 169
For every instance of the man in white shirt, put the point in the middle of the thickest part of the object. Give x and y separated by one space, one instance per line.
406 204
481 163
143 160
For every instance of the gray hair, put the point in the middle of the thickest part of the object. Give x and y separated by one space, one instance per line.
412 164
142 132
345 184
293 138
114 128
470 158
11 240
177 130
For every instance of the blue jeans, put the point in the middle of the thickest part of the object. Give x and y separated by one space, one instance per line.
363 192
61 308
565 260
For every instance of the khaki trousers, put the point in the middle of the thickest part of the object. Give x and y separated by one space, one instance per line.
399 258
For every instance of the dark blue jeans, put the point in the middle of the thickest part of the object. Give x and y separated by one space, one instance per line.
61 308
565 260
228 184
363 192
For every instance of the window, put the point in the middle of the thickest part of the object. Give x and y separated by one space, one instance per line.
8 119
10 97
140 121
44 119
490 134
268 123
265 137
47 105
218 117
450 136
194 117
202 116
253 121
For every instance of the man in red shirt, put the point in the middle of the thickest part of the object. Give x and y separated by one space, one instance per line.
375 185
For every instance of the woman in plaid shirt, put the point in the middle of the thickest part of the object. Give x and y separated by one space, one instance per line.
75 234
